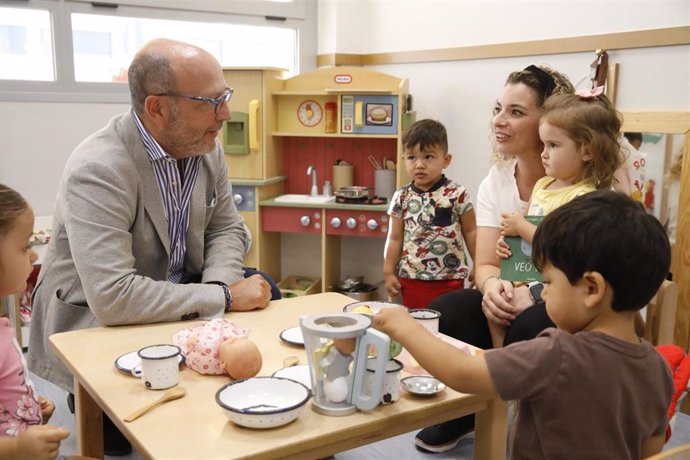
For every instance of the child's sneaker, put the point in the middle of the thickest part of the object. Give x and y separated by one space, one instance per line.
445 436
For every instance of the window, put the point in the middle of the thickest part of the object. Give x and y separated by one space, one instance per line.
26 46
105 45
78 51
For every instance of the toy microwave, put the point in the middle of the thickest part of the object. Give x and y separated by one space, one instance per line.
369 114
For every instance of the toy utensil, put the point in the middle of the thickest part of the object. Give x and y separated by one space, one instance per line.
290 361
375 162
173 393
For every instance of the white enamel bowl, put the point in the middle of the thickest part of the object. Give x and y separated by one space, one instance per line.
374 305
263 402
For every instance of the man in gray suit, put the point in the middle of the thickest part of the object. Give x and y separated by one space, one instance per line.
145 229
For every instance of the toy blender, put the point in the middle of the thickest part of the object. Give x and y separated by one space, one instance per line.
338 346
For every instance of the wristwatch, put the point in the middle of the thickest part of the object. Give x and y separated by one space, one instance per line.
228 297
535 289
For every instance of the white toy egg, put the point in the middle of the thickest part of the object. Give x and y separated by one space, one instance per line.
336 389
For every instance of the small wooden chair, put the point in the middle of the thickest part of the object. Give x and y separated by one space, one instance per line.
677 453
661 314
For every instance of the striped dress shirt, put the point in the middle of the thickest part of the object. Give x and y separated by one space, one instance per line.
176 179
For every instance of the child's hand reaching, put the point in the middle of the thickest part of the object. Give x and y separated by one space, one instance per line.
38 442
392 285
395 322
511 224
502 248
47 408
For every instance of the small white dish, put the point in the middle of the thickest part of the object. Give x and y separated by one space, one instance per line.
374 305
263 402
422 385
297 373
131 361
293 336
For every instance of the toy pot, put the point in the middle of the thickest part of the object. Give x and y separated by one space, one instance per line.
338 347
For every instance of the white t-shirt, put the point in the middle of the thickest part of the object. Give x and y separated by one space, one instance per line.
498 193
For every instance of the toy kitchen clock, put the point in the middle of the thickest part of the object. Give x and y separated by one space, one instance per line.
309 113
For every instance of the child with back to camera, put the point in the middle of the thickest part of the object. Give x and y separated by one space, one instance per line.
581 153
590 388
23 434
430 217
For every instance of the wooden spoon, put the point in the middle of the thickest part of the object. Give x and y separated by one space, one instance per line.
290 361
173 393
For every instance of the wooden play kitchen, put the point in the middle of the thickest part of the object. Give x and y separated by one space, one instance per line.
325 119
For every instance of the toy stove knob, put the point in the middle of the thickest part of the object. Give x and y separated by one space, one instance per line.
351 222
372 224
305 221
238 198
336 222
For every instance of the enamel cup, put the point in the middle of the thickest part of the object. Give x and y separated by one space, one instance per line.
160 366
428 318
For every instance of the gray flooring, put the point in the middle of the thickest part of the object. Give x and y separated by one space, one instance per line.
398 448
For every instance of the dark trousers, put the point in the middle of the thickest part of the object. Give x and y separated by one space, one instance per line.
462 318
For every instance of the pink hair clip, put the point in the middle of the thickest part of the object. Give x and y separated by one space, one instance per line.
590 93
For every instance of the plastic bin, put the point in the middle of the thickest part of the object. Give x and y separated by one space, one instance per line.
295 285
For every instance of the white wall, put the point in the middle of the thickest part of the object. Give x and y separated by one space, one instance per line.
461 94
36 138
377 26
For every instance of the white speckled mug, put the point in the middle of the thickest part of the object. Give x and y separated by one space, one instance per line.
428 318
160 366
391 381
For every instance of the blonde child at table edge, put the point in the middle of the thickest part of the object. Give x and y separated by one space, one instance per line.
581 153
589 388
432 223
23 434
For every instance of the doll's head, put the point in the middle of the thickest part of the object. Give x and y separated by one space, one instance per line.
241 358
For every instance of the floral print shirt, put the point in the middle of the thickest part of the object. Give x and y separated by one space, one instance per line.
19 406
433 247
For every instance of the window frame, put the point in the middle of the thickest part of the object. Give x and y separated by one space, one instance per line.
66 89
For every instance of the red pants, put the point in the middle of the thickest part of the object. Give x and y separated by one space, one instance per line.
418 293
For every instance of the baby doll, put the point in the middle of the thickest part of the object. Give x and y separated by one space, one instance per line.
219 347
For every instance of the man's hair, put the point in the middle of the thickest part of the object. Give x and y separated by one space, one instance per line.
12 205
610 233
149 74
426 133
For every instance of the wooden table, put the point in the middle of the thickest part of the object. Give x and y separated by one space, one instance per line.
196 427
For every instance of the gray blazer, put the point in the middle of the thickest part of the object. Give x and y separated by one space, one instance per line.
107 261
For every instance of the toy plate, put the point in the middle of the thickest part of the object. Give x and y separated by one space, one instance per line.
422 385
293 336
297 373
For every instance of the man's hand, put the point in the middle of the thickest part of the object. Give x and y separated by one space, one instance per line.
250 293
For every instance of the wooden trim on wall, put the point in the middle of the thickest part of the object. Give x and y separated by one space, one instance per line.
620 40
657 122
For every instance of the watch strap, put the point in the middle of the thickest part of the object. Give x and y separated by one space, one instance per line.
535 289
228 297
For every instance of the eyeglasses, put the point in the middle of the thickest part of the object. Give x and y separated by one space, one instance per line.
217 102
